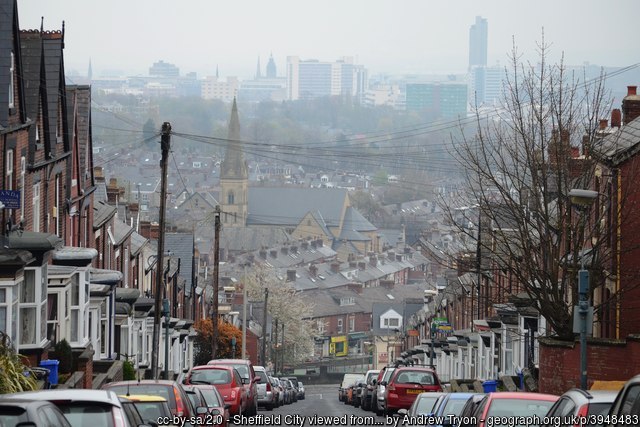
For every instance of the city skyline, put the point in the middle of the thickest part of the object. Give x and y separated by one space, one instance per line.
419 38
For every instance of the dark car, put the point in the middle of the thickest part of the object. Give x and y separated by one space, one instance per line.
131 412
406 384
214 401
366 399
249 380
172 391
452 404
151 408
626 407
41 413
582 403
424 404
470 408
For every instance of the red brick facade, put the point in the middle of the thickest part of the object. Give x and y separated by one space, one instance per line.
607 360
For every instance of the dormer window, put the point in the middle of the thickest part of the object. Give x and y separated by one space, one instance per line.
347 301
12 73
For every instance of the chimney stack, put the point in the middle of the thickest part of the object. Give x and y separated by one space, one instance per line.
616 118
313 270
335 267
291 275
304 245
285 250
373 260
274 253
320 243
263 253
604 123
630 105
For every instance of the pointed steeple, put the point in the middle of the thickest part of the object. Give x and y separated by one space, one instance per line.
258 72
234 166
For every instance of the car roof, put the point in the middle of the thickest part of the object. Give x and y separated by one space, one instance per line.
23 403
144 398
223 361
463 396
593 396
522 395
73 395
141 382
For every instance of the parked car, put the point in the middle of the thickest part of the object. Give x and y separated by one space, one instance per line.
424 404
351 390
471 408
215 402
582 403
249 380
293 390
367 394
131 412
228 382
626 407
150 407
266 397
40 413
301 394
358 391
199 404
513 404
170 390
278 390
82 407
406 383
347 380
379 395
452 404
287 390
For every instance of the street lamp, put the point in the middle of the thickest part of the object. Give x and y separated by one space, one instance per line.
582 200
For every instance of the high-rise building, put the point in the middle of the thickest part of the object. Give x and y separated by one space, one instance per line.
442 100
164 69
486 85
478 35
312 78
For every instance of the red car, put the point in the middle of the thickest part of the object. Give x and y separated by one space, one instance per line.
405 384
507 405
249 380
226 380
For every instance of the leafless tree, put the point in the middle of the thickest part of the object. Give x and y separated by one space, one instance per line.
519 166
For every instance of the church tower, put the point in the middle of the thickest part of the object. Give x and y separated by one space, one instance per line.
234 177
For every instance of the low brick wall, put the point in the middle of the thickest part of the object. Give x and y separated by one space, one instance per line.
607 360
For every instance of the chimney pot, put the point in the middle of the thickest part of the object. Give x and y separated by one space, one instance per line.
603 124
398 258
632 90
362 265
335 267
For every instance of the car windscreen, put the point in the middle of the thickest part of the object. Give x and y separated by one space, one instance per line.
454 407
87 413
12 415
161 390
415 377
211 397
210 376
263 377
425 404
151 411
508 408
242 369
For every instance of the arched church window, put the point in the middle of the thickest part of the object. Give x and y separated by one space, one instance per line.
230 198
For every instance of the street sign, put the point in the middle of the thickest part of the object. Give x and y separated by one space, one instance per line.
576 320
10 199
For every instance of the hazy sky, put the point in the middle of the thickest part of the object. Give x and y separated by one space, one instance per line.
386 36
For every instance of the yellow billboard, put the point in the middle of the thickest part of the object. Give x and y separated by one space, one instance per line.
339 346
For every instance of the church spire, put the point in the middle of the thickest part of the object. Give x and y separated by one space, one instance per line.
234 166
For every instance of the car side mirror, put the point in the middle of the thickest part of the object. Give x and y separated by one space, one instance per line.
202 410
383 383
402 412
227 406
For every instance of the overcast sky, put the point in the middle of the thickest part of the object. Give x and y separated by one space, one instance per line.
386 36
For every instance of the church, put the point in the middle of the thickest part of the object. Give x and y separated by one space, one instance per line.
257 217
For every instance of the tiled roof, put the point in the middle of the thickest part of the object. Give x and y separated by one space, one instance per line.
287 206
620 145
121 231
102 212
137 243
52 48
181 246
31 50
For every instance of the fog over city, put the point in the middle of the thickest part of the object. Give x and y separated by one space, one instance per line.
409 36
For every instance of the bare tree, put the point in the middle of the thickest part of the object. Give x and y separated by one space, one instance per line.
519 166
288 306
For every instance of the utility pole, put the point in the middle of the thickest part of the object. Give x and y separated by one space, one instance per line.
165 144
263 353
275 349
479 260
244 314
216 265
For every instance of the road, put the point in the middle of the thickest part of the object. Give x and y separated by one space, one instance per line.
320 408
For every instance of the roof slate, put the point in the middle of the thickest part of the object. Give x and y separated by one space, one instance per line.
181 246
620 145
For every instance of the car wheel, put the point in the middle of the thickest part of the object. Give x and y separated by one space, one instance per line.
378 410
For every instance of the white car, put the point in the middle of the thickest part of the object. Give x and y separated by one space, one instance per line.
300 390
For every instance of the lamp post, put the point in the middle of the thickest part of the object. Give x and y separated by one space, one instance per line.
582 199
165 311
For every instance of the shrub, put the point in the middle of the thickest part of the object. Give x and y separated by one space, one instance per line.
63 353
128 371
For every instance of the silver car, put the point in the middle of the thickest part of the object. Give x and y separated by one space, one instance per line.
266 396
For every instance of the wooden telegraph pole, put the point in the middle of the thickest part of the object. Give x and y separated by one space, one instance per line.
216 265
165 144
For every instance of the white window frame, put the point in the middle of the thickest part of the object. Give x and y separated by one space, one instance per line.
36 207
352 324
57 206
39 305
23 171
9 170
339 326
12 75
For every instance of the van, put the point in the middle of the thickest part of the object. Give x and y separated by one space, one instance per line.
347 380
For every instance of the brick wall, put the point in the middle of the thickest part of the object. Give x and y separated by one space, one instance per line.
607 360
85 364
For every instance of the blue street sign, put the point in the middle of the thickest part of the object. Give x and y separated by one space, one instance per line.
10 199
